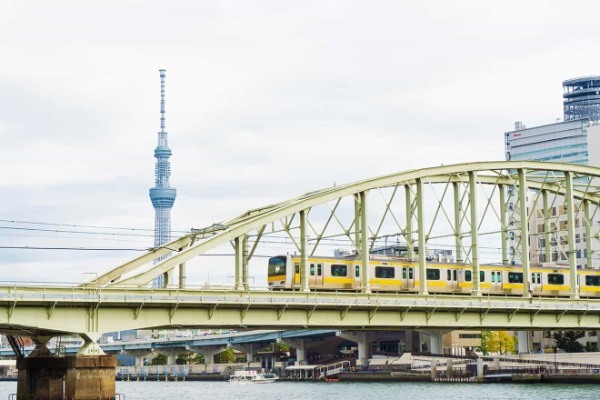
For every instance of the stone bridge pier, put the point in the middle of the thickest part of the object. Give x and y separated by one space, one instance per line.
89 375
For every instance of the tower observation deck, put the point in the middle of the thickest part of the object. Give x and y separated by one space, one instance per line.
582 98
162 194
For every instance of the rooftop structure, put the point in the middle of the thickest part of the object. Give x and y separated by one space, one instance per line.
582 98
162 194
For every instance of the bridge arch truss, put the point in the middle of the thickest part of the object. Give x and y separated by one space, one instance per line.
475 211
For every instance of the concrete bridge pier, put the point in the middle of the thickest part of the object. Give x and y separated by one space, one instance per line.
140 355
300 346
209 353
523 338
363 344
85 376
436 343
248 348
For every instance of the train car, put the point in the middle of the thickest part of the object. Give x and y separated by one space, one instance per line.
395 274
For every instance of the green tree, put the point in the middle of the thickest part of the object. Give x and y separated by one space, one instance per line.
189 358
567 341
485 340
225 357
159 359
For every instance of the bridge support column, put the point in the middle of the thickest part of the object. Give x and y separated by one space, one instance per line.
140 356
300 346
209 353
363 343
523 337
247 348
435 342
72 377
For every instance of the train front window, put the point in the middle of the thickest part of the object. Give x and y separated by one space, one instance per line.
276 266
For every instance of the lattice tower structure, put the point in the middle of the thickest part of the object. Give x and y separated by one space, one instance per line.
162 194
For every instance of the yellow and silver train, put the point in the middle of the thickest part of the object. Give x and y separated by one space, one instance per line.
402 275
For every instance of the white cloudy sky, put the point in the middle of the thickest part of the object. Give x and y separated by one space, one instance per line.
265 100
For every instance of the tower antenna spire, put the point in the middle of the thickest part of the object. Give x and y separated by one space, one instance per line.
163 74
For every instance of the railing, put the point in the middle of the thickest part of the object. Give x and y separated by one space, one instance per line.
266 297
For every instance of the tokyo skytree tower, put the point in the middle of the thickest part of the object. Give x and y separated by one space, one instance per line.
162 194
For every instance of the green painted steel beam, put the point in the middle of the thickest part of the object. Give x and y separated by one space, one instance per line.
259 218
80 311
524 211
574 290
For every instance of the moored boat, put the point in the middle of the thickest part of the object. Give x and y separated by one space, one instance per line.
252 377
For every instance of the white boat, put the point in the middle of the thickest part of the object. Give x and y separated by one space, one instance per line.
252 377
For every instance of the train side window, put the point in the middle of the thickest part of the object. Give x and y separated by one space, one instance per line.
411 273
385 272
556 279
454 275
592 280
493 276
312 269
481 276
433 274
297 265
539 278
339 270
515 277
404 273
449 274
319 269
357 271
468 276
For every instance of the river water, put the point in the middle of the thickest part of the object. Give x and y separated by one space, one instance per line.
343 391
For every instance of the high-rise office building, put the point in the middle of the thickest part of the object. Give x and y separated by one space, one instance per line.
162 194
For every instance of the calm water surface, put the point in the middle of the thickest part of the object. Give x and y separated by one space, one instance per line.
343 391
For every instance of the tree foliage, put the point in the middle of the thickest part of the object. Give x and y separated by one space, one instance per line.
159 359
567 341
225 357
500 342
189 358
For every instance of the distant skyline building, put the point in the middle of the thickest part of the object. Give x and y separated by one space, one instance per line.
573 141
162 194
581 98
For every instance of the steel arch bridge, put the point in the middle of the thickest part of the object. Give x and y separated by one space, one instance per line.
500 213
466 209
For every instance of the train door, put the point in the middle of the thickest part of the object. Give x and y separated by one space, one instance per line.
408 277
536 282
317 278
357 281
496 281
451 279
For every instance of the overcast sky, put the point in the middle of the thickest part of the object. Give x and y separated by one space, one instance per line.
266 100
